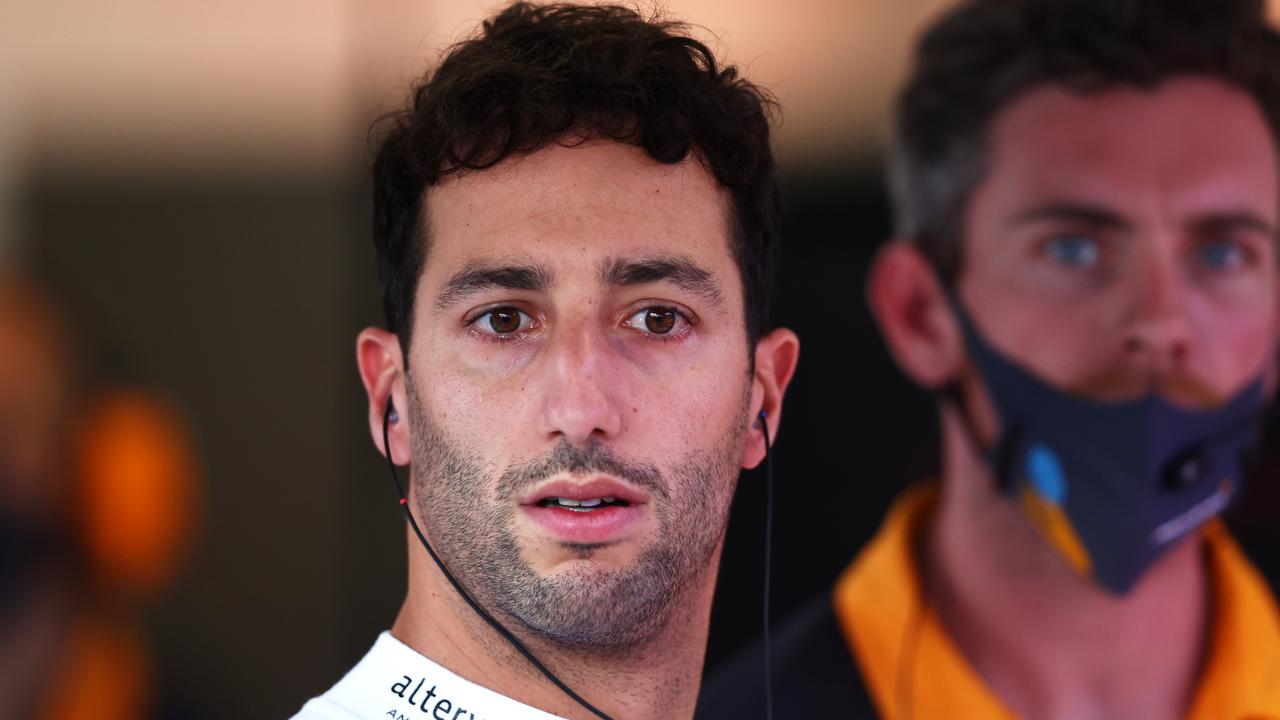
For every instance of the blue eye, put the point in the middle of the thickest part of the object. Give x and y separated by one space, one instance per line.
1077 251
1221 255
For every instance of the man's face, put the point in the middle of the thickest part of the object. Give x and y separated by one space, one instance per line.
579 386
1125 242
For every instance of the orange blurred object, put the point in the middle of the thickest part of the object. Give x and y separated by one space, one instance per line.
136 487
105 674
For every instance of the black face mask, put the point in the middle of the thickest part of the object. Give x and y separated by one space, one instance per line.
1112 486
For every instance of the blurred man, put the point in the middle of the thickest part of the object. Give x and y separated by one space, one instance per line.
1086 196
96 490
575 224
37 578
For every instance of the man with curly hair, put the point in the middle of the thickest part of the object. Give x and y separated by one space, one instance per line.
1087 196
575 223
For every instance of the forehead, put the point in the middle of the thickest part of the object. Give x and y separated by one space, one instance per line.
1190 143
575 205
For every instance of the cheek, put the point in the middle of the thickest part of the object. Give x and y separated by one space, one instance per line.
1237 341
483 409
709 385
477 411
699 443
1061 342
693 410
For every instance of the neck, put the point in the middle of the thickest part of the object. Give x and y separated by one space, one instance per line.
659 680
1050 643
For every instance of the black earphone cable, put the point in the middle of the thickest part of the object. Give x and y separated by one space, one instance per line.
768 563
484 614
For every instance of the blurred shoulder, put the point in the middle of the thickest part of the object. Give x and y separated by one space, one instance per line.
814 673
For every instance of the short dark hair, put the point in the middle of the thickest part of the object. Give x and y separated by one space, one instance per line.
538 74
983 54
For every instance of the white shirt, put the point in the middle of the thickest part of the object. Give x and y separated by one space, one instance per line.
394 682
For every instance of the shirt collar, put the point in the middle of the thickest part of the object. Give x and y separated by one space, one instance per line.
393 680
881 609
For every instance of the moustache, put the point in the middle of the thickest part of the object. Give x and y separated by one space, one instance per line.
568 459
1177 387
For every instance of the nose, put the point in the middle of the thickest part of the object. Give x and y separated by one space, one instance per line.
580 385
1158 333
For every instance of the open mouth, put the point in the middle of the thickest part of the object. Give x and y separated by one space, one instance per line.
599 510
582 505
585 496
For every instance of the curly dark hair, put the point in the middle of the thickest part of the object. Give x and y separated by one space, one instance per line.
538 74
983 54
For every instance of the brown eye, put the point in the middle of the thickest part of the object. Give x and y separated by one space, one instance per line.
655 320
660 321
503 321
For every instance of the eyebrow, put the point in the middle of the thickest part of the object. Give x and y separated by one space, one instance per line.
1099 216
679 271
1242 219
1084 213
478 277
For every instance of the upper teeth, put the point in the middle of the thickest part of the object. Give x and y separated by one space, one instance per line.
580 505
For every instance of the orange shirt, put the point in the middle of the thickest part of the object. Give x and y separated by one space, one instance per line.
880 608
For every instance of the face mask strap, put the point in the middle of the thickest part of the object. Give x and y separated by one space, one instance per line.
997 458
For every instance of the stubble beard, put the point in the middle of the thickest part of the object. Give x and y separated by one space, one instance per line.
469 509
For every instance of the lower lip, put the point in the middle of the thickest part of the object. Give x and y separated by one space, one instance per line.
597 526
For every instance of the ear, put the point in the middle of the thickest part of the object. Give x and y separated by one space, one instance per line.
382 371
776 356
916 318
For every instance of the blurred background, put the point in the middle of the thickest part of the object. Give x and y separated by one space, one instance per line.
194 522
